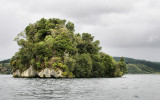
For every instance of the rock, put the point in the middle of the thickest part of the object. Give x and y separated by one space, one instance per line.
57 73
44 73
50 73
30 72
16 73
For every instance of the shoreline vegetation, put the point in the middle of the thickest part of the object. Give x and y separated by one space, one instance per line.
134 66
51 48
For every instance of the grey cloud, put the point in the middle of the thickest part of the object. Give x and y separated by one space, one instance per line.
88 11
146 53
119 25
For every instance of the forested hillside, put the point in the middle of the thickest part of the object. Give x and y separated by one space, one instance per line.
140 66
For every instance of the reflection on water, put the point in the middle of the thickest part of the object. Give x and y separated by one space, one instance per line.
129 87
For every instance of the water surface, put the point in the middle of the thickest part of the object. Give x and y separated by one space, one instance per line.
128 87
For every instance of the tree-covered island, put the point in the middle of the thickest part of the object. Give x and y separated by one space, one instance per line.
50 48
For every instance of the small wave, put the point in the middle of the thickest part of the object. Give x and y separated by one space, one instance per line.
136 96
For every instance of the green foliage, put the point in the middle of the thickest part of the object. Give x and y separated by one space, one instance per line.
70 26
63 44
122 65
52 44
83 66
98 68
64 73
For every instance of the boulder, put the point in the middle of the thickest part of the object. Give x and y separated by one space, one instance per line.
57 73
44 73
50 73
16 73
29 72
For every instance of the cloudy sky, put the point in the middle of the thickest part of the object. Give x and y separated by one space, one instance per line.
129 28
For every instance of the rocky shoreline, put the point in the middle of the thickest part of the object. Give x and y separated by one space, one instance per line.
30 72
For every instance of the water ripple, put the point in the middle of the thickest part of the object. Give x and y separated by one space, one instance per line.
129 87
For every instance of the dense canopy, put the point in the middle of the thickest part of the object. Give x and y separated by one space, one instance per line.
52 43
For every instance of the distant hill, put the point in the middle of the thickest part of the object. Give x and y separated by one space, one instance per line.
140 66
5 61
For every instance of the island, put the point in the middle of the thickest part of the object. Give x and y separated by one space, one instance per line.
51 48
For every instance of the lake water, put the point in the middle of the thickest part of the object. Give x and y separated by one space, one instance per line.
128 87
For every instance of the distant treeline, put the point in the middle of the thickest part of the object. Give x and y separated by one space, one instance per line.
140 66
5 61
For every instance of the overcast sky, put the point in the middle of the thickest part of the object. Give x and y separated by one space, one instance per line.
129 28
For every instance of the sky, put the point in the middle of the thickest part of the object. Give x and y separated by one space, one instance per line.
128 28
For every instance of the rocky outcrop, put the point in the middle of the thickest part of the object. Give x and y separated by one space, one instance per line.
16 73
30 72
50 73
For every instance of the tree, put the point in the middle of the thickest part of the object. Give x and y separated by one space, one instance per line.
122 65
83 66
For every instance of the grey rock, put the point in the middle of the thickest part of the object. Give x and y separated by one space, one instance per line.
30 72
